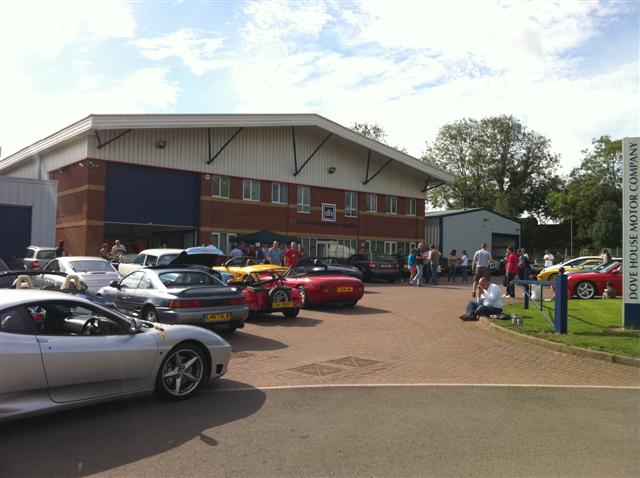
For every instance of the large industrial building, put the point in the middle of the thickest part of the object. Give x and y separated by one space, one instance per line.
182 180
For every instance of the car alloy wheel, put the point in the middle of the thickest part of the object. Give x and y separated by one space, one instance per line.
279 295
585 290
182 373
303 296
150 314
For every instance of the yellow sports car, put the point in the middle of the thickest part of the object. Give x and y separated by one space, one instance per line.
241 267
550 273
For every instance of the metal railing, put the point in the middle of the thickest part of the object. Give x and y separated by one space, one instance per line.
559 322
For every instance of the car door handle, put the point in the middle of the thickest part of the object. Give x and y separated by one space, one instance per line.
42 341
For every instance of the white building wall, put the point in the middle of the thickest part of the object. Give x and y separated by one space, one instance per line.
262 153
38 166
468 231
42 197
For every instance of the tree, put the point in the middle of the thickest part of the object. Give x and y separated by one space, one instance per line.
497 163
592 196
375 131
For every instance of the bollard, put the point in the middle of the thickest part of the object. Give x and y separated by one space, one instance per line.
561 310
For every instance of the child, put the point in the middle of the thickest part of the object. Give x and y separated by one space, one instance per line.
609 292
411 263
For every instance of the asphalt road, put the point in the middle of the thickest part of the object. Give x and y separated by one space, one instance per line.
339 431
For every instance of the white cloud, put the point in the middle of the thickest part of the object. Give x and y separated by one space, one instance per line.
197 54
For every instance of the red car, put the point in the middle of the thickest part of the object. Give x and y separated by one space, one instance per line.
592 283
317 287
266 292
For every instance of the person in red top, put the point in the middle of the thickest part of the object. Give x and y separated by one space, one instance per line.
292 255
511 269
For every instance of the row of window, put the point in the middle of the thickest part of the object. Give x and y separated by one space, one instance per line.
280 195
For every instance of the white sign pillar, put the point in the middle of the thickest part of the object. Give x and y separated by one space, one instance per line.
631 233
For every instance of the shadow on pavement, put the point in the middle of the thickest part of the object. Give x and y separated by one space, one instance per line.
357 310
246 342
275 321
103 437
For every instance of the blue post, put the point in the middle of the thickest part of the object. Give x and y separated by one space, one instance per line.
560 319
527 289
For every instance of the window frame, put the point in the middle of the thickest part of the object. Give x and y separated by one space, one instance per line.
252 190
352 210
412 207
220 191
374 203
301 207
391 200
281 187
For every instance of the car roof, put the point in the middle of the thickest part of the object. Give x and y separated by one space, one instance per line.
161 251
42 248
12 297
82 258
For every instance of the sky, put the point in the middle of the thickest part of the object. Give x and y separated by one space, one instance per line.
568 70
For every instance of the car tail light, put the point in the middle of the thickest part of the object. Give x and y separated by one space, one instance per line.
185 304
239 301
35 264
372 265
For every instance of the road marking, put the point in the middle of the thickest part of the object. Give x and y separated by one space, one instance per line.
389 385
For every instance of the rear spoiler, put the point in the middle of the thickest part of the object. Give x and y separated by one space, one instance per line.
199 290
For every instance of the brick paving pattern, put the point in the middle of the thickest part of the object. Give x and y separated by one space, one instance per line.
402 334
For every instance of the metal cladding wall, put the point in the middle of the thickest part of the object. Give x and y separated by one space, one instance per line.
139 195
264 153
469 230
41 197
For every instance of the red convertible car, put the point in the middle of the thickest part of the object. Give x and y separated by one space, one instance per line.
589 284
266 292
317 287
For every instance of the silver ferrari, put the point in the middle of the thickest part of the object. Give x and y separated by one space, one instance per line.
59 351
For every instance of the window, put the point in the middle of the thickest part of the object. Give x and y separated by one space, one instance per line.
411 207
250 190
53 266
372 203
220 186
391 205
390 247
188 279
151 261
132 280
91 266
279 193
50 254
350 204
17 321
304 199
146 282
166 259
73 318
139 260
222 240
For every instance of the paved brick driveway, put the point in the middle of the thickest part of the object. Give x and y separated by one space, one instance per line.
401 334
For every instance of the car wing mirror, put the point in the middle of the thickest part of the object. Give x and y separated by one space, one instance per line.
136 326
114 283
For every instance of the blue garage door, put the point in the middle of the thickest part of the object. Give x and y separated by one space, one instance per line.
15 231
142 195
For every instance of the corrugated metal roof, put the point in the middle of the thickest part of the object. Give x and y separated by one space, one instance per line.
154 121
453 212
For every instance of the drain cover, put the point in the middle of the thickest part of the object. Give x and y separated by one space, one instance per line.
317 369
239 355
353 362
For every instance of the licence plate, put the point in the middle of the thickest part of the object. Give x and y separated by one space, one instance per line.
344 289
218 317
282 305
386 266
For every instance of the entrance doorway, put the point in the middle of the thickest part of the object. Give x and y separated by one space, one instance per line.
138 237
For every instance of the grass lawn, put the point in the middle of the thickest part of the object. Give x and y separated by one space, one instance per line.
592 324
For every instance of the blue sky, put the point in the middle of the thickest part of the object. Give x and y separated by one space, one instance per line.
568 70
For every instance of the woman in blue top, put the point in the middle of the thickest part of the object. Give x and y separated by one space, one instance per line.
411 264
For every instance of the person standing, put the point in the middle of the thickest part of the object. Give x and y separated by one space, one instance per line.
104 251
235 251
411 264
292 255
422 263
464 263
523 264
452 266
420 260
606 256
548 258
275 254
511 267
400 260
434 261
60 252
118 250
480 266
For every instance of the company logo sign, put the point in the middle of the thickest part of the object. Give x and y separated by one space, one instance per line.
329 212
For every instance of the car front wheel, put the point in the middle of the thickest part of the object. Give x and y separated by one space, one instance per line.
303 296
585 290
150 314
182 373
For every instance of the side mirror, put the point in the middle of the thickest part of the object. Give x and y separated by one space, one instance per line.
136 326
114 283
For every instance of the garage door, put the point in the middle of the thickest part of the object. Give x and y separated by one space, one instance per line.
142 195
15 233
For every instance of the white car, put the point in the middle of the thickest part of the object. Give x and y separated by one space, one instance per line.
94 271
59 351
149 258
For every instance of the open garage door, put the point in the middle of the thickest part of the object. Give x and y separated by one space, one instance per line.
149 207
15 231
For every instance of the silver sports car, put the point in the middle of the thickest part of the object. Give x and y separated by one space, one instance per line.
59 351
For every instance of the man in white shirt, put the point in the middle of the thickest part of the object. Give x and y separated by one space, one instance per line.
490 301
480 266
235 251
548 258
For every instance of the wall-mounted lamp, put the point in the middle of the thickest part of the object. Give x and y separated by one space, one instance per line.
332 169
81 164
161 143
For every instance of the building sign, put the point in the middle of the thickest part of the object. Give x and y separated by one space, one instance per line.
329 212
631 233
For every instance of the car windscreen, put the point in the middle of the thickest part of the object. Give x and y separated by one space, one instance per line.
188 279
382 258
91 266
46 254
3 266
610 267
166 259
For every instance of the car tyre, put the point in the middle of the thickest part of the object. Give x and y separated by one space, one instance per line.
150 314
182 373
291 313
303 295
585 290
